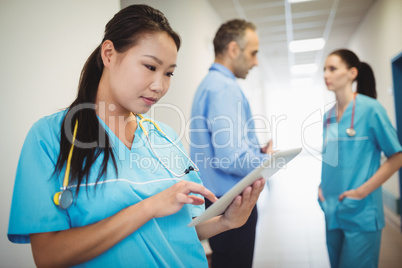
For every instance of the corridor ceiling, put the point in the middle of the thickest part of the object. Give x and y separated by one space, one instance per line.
279 22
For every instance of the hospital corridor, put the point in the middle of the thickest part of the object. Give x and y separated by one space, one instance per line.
276 81
291 228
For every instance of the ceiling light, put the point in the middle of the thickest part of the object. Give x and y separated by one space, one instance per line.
304 69
298 1
306 45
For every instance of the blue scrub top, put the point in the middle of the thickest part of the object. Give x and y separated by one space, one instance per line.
224 144
348 162
161 242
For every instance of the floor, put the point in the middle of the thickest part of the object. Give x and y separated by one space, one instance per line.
290 230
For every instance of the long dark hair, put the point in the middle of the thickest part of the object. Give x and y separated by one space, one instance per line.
125 30
365 78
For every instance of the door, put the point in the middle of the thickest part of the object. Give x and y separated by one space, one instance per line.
397 81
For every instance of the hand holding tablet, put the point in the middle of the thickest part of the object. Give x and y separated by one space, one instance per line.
266 170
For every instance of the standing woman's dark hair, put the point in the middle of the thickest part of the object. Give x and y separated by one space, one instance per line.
124 30
365 78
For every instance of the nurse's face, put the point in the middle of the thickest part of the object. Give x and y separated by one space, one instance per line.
337 75
141 76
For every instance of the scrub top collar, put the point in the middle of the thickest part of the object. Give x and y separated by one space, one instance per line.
222 69
332 113
138 133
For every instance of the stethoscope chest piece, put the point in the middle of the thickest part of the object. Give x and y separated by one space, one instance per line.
64 199
351 132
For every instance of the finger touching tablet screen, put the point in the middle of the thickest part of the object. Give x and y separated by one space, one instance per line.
266 169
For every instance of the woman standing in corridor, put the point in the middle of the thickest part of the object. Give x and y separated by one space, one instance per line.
356 131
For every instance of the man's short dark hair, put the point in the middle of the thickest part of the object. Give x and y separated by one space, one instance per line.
232 30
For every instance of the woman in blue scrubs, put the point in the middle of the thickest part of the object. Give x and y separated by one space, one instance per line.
128 209
356 131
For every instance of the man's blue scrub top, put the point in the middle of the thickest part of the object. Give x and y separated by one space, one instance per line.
161 242
224 144
348 162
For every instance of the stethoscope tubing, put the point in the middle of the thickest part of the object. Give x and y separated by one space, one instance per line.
350 131
65 198
146 133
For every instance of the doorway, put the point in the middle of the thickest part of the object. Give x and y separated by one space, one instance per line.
397 81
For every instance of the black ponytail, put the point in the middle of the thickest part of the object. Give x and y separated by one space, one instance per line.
365 78
88 145
124 30
366 81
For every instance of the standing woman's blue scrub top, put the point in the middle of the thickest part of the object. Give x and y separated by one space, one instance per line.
348 162
161 242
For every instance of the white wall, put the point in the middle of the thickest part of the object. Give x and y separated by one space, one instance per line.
44 44
197 23
377 40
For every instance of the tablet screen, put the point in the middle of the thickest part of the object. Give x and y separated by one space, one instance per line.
266 169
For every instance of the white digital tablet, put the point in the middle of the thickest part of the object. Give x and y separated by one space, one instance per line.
266 169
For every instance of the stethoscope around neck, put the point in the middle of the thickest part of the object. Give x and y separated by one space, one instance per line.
351 132
146 133
64 199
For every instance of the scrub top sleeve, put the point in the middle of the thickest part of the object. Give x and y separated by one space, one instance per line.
32 208
384 133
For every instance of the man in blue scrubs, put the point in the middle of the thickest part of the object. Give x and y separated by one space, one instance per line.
223 141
